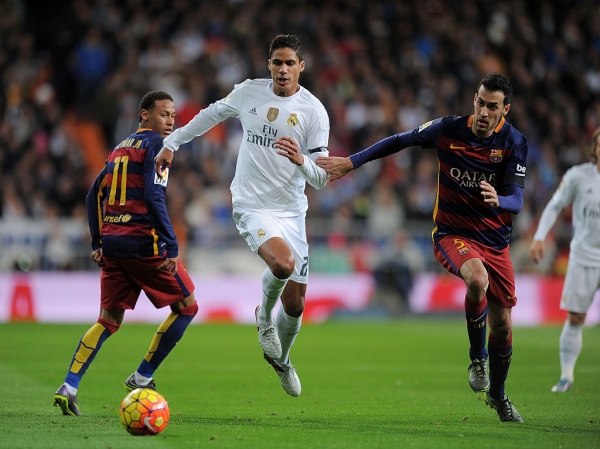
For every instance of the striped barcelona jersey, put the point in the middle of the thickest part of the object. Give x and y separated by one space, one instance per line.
126 207
464 161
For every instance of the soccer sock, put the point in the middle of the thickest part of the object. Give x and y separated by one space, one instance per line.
88 347
500 358
165 339
287 329
271 288
571 342
476 316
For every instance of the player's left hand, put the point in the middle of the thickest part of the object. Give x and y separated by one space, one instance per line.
170 264
289 148
489 193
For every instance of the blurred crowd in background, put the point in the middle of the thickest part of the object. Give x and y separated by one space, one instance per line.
71 78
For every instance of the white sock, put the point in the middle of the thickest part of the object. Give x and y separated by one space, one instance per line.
271 291
571 342
70 389
141 380
287 329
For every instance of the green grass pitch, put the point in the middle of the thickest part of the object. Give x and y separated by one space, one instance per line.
369 384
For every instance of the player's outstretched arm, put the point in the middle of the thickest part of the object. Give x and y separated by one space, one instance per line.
162 160
336 167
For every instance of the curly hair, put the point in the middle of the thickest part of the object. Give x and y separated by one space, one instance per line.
286 41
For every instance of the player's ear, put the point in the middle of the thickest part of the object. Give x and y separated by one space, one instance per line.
302 64
506 109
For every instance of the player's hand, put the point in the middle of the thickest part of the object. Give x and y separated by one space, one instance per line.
537 250
289 148
170 264
336 167
162 160
489 193
97 257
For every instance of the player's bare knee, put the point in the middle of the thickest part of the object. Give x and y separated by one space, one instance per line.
283 269
294 309
477 286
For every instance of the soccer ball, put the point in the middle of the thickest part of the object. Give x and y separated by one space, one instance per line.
144 412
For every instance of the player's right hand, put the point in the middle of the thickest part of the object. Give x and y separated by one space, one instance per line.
170 264
536 250
162 160
97 257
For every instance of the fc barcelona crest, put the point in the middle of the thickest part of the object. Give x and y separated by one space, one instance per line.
496 155
272 114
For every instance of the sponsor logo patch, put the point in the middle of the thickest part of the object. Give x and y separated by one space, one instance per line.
425 125
165 178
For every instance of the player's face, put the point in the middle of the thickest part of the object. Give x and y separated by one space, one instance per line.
161 118
285 67
489 110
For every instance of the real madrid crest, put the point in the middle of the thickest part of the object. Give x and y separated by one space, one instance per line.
293 120
272 114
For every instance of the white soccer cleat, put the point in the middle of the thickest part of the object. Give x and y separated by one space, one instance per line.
287 377
268 337
562 386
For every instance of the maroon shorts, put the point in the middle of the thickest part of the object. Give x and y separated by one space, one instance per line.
452 251
123 278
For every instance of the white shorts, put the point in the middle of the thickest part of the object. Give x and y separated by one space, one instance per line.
580 287
258 227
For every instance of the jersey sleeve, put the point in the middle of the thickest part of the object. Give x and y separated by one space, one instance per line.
93 202
316 147
207 118
424 136
155 199
563 196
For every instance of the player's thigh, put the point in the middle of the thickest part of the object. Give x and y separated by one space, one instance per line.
294 233
581 284
160 286
453 251
118 290
256 227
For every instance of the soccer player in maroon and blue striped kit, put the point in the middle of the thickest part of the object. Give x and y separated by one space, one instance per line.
134 243
482 163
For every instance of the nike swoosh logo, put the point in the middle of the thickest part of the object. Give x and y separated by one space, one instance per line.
455 147
147 420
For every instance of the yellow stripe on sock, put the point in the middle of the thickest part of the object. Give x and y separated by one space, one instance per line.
87 345
158 335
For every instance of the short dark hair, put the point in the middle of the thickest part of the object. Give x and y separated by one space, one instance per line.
286 41
149 100
495 82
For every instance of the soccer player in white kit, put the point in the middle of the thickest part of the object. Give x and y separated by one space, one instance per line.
285 128
580 187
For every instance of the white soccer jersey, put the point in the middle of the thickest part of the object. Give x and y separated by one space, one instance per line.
265 180
580 186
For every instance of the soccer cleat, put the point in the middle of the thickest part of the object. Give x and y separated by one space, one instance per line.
287 377
66 401
562 386
478 376
268 337
505 409
131 384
